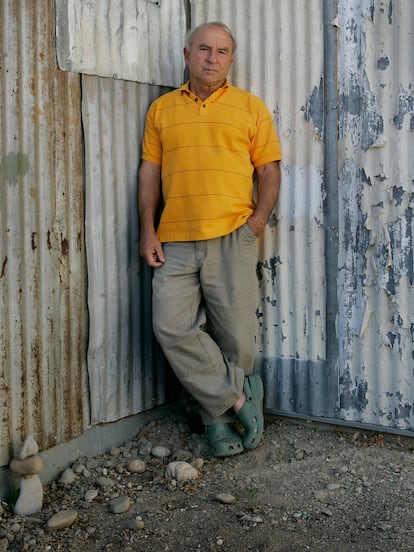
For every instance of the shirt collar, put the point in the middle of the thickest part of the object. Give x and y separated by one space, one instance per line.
185 89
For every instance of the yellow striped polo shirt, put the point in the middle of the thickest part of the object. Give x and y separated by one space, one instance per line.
208 151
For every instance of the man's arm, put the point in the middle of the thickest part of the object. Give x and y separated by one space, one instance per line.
149 192
268 184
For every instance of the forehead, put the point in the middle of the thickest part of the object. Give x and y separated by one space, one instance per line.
213 36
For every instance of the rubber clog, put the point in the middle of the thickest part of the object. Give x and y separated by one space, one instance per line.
223 440
251 413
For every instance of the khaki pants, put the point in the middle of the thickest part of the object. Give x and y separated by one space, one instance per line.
204 301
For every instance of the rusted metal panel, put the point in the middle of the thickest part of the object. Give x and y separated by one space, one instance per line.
139 40
376 167
279 57
42 269
126 370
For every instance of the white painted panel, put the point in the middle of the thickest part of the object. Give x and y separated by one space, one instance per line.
138 40
376 191
124 376
279 57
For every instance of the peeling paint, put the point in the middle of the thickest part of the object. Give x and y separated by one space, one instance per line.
14 165
405 107
313 109
354 393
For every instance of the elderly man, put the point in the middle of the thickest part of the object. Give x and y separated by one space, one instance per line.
203 144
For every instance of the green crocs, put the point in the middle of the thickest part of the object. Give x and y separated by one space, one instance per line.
223 440
251 413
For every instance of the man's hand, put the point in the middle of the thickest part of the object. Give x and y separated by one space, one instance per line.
268 184
152 251
149 190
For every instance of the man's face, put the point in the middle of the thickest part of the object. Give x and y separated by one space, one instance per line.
210 57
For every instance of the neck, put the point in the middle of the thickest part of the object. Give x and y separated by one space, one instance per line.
203 92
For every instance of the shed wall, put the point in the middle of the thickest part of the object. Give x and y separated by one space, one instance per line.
376 191
60 148
43 381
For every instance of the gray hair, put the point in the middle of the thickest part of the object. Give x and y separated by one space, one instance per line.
190 35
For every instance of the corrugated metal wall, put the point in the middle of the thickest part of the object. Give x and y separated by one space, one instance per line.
125 367
43 388
376 193
280 58
121 39
338 248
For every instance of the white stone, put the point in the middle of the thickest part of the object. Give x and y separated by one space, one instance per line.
68 477
62 519
135 524
29 466
160 452
120 505
91 494
181 471
136 466
29 448
105 482
225 498
30 498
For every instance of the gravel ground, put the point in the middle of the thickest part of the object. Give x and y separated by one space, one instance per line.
305 487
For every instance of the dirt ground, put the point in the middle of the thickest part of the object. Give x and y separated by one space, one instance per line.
305 487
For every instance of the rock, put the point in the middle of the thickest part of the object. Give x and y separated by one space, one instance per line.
183 455
61 519
320 495
67 477
225 498
136 466
326 511
29 448
91 494
135 524
198 463
333 486
181 471
116 452
30 498
31 465
120 505
144 446
105 482
79 468
160 452
92 463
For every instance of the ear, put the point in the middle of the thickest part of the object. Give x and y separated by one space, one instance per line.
186 54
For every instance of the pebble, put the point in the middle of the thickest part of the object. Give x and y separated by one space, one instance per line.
144 446
135 524
92 463
160 452
29 448
198 463
105 482
320 495
326 511
183 455
91 494
68 477
181 471
120 505
29 466
333 486
225 498
61 519
30 498
136 466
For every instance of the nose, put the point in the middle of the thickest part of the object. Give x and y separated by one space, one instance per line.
212 56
